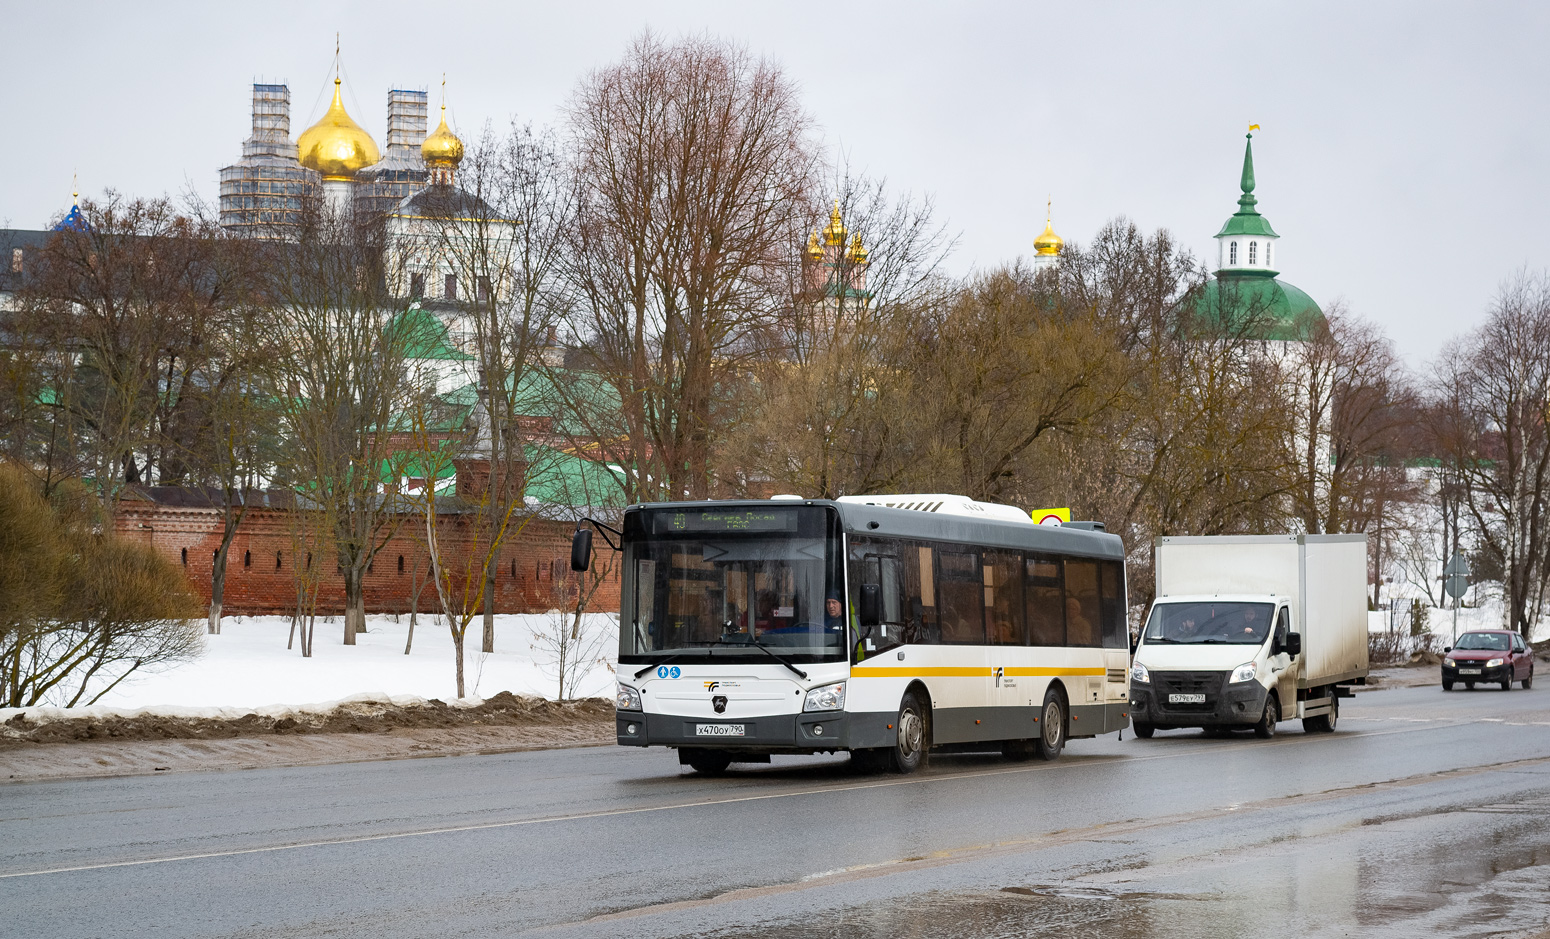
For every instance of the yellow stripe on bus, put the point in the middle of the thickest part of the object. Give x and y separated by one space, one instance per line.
952 672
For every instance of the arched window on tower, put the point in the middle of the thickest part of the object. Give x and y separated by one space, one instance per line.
1268 255
1232 253
1253 250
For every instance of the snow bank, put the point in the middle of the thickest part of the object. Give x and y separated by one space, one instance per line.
247 669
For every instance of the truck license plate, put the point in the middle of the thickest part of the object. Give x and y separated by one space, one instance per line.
1469 671
718 730
1186 699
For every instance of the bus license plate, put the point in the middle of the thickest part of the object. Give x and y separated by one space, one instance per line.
1186 699
1469 671
718 730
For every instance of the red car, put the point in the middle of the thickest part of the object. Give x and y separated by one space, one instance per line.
1488 655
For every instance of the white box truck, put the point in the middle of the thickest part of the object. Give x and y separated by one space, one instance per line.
1250 630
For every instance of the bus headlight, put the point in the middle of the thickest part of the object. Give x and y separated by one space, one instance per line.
1245 672
1139 673
628 699
825 698
1494 662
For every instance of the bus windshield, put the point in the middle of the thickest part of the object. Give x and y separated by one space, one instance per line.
1235 623
703 584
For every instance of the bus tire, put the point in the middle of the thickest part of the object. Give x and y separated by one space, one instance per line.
914 737
1052 726
1144 731
707 762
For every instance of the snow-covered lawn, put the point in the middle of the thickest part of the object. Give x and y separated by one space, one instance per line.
248 666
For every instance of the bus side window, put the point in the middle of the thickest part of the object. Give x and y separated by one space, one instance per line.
1004 598
1083 609
1045 601
960 592
1114 632
920 619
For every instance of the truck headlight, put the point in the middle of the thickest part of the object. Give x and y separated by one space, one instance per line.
628 699
1248 671
825 698
1139 673
1494 662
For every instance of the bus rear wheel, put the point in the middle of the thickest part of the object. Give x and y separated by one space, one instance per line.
1052 726
909 751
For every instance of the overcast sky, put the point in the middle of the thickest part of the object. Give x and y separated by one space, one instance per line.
1402 155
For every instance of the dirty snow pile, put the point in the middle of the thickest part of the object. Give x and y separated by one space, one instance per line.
247 666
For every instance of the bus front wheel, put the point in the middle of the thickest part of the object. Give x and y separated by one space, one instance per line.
1052 726
909 751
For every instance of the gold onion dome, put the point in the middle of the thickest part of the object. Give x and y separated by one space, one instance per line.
442 147
835 233
1049 243
336 146
858 252
814 249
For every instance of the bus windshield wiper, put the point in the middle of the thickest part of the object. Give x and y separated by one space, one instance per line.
767 651
721 642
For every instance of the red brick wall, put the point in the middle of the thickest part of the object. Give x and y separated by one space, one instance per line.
533 574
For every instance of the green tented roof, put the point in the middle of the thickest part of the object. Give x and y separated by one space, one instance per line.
426 336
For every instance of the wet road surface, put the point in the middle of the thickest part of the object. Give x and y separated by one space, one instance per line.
1425 815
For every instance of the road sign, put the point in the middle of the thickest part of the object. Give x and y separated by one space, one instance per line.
1051 516
1455 576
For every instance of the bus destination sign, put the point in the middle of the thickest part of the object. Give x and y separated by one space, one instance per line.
726 520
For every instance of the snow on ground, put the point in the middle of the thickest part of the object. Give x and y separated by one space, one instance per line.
247 666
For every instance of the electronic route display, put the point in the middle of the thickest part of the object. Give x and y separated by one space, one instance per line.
724 520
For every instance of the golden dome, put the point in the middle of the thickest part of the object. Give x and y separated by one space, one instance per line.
858 252
814 250
442 147
1049 243
835 233
336 146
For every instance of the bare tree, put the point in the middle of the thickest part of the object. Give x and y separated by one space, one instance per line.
1492 392
694 165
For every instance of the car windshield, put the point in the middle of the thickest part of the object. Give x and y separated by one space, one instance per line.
1212 621
1484 642
725 592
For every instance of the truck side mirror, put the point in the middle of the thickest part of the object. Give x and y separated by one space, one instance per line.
1293 643
581 549
871 605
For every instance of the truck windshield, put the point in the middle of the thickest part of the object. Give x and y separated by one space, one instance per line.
1214 621
716 584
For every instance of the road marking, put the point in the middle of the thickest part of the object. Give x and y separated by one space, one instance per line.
1094 761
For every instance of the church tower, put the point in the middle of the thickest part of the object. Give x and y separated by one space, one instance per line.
1047 247
1245 243
338 149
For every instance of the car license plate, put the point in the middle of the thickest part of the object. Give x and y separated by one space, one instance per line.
1186 699
1469 671
718 730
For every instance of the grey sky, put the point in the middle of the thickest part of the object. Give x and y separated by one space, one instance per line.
1401 157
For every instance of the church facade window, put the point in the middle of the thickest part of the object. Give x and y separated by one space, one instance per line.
416 286
1253 250
1232 253
451 287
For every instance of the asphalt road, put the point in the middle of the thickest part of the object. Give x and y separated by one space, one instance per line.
1425 814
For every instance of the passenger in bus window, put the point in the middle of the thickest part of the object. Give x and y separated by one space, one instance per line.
1077 627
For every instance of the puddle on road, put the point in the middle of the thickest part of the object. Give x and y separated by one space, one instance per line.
1476 871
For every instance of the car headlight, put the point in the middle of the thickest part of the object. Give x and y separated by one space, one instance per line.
1139 673
825 698
1450 663
1248 671
628 699
1494 662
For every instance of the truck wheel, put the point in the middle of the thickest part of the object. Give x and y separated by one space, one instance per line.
1529 681
1324 723
707 762
1144 731
909 751
1052 726
1266 728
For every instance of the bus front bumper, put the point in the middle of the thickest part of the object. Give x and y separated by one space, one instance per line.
808 732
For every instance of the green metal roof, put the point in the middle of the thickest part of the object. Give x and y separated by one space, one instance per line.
1256 304
1247 220
426 336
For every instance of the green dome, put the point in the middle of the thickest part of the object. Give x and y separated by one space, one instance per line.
1261 307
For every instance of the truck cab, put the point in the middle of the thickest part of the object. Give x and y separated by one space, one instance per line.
1225 661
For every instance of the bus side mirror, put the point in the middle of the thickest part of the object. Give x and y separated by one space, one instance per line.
581 549
1294 643
871 605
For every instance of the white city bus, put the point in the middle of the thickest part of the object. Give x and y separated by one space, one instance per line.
884 626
